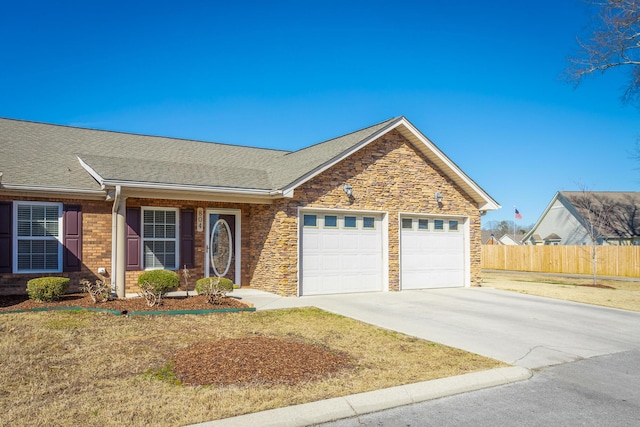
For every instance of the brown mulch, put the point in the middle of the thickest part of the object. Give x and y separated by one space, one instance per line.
125 305
256 360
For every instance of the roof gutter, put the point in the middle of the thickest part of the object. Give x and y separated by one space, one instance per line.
55 191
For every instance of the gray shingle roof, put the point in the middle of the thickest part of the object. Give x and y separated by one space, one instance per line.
46 155
617 213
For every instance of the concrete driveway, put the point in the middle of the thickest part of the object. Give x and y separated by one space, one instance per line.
522 330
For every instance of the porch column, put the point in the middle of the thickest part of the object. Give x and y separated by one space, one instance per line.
121 247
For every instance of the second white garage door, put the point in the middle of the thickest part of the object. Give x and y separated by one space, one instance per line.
432 253
341 253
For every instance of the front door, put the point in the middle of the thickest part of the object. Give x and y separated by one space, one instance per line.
221 246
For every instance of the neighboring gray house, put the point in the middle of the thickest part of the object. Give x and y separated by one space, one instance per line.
509 240
573 217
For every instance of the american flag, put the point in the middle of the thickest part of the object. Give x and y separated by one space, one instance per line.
518 216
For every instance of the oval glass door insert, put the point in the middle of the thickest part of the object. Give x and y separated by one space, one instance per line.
221 248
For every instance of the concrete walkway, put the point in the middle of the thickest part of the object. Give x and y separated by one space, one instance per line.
526 331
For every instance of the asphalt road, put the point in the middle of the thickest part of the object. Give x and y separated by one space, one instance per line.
600 391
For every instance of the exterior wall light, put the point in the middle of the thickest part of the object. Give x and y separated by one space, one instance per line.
438 198
348 190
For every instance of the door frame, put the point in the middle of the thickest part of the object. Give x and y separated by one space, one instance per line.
236 244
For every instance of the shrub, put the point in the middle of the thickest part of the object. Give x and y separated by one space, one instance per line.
215 288
47 289
154 284
99 291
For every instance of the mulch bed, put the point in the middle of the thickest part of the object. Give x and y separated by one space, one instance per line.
125 305
256 360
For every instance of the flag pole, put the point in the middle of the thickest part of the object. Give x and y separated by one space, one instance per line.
514 223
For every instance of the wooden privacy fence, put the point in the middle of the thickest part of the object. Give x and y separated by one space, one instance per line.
612 260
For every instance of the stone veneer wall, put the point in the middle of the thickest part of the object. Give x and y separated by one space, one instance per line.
96 245
389 175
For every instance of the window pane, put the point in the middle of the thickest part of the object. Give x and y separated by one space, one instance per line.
24 228
368 222
453 225
51 228
349 222
159 231
24 213
170 231
438 224
310 220
148 217
37 213
407 223
423 224
330 221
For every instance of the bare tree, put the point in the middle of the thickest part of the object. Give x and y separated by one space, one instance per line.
595 210
614 41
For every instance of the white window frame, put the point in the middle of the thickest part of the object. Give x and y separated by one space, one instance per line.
349 227
402 222
364 217
176 239
324 221
315 220
17 238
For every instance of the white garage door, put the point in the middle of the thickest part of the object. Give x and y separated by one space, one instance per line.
432 253
340 253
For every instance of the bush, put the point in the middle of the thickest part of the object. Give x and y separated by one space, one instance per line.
46 289
156 283
99 291
215 288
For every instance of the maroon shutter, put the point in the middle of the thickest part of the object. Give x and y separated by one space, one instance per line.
72 239
133 239
6 211
187 238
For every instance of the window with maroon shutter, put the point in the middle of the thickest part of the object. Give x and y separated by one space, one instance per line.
38 247
133 239
6 210
72 240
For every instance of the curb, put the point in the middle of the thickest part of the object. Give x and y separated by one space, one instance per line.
132 313
354 405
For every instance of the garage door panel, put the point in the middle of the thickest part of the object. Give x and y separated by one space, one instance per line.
431 259
341 260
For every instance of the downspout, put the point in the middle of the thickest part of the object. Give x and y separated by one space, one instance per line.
121 242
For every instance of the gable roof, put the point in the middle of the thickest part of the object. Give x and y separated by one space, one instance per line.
63 159
619 212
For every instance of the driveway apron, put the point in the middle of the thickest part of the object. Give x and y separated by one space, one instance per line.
521 330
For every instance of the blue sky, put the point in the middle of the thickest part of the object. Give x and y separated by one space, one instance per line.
482 80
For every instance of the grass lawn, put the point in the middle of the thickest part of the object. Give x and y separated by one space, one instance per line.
611 293
86 368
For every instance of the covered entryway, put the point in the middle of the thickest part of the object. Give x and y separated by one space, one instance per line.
432 252
341 252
